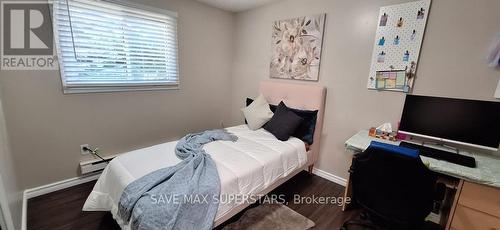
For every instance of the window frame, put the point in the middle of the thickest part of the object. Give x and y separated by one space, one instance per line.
121 87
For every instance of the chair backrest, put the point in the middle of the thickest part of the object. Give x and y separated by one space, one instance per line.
393 183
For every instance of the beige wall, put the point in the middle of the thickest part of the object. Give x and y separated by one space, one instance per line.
46 127
222 59
452 62
8 175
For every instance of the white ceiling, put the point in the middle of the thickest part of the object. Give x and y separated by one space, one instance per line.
236 5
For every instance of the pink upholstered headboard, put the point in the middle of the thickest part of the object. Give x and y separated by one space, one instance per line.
299 96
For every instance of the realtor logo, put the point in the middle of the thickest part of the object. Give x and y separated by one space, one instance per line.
27 36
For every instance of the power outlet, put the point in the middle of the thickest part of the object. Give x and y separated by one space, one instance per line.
82 151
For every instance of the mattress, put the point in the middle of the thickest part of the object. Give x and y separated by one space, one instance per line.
246 167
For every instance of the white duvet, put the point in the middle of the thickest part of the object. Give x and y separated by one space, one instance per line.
245 167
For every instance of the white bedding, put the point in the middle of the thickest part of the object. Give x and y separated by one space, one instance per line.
245 167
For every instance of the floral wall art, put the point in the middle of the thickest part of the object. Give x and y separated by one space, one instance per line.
296 48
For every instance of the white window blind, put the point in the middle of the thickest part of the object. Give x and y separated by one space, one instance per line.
115 46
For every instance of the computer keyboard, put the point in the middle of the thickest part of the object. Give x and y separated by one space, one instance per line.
441 155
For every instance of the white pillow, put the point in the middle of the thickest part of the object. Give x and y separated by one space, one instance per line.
257 113
260 100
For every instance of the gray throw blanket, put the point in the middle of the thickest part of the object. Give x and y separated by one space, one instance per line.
184 196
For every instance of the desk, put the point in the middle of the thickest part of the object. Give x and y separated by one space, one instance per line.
487 171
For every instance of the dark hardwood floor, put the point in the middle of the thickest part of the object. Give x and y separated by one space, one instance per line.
62 209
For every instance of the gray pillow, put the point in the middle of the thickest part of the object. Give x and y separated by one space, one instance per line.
257 113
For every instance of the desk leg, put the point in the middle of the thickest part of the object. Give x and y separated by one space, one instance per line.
347 193
454 205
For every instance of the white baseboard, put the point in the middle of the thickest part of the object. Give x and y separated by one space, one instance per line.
333 178
46 189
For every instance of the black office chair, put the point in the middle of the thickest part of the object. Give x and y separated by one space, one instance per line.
393 186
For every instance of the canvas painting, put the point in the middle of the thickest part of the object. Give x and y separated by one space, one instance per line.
296 48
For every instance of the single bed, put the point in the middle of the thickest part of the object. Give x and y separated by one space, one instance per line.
254 165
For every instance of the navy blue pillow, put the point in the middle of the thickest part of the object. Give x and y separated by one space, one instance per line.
306 129
283 123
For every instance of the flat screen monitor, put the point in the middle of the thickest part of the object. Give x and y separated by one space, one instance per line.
468 122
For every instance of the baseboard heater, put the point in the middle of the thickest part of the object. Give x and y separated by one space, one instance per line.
97 165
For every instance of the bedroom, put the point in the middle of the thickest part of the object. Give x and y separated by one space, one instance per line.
224 54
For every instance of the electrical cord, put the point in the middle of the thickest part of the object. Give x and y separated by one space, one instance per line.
95 153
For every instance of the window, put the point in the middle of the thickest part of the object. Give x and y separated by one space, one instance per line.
109 45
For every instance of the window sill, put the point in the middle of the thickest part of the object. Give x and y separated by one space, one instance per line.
111 89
